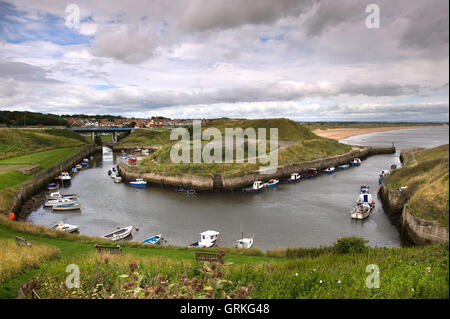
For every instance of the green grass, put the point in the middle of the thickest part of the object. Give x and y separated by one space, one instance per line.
426 178
16 142
45 159
12 179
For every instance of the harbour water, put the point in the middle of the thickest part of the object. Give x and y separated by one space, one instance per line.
311 213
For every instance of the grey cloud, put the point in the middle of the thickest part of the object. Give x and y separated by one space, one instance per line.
22 71
381 89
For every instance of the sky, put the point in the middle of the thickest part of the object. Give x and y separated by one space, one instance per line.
307 60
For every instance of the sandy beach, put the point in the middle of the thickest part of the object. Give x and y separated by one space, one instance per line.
341 133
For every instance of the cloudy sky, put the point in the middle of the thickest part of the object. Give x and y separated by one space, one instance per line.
300 59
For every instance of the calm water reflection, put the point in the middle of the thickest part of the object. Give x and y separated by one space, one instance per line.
311 213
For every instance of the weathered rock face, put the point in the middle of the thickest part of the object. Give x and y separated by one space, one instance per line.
219 182
30 187
422 231
392 200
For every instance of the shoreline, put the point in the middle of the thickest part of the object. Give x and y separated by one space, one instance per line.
342 133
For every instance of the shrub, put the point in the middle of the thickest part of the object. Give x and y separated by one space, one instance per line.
350 245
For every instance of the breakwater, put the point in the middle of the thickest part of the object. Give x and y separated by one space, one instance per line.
226 183
42 179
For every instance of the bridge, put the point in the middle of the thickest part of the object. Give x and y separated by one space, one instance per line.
112 130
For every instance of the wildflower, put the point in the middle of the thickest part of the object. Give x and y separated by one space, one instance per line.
339 282
296 273
321 281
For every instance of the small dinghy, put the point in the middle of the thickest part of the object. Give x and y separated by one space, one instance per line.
394 166
356 162
330 170
154 240
65 227
257 187
344 166
59 201
361 211
139 183
84 165
272 183
208 239
244 243
64 176
58 195
187 191
67 207
78 166
74 170
119 234
311 173
52 186
295 178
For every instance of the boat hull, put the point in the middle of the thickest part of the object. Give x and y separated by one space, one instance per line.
138 185
64 208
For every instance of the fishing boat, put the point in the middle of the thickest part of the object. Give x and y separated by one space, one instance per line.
64 176
356 162
78 166
330 170
117 179
208 239
139 183
187 191
272 183
84 165
119 234
58 195
65 227
74 170
257 187
67 207
85 160
366 198
295 178
344 166
394 166
154 240
59 201
244 243
361 211
312 172
52 186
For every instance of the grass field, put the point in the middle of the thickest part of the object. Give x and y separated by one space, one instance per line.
426 178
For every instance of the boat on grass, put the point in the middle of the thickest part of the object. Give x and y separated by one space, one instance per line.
244 243
65 227
257 187
154 240
67 207
139 183
187 191
119 234
329 170
208 239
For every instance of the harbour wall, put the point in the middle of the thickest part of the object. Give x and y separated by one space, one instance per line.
42 179
225 183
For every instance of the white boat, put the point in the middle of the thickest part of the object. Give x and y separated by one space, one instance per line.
59 201
113 175
65 227
139 182
258 186
208 239
119 234
117 179
67 207
64 176
330 170
295 178
361 211
85 160
356 162
78 166
244 243
58 195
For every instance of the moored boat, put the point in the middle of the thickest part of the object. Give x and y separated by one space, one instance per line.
84 164
58 195
294 178
393 166
78 166
117 179
74 170
356 162
329 170
154 240
59 201
257 187
361 211
65 227
208 239
187 191
272 183
52 186
119 234
139 183
244 243
344 166
312 172
64 176
67 207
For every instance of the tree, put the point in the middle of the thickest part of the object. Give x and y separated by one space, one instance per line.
98 140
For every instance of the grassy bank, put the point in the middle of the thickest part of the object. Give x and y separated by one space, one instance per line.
426 177
296 144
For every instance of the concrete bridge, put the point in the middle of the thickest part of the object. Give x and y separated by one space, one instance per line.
92 131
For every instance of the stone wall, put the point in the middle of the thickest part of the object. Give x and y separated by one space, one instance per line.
42 179
219 182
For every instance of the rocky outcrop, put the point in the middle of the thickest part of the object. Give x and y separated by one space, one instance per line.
225 183
421 231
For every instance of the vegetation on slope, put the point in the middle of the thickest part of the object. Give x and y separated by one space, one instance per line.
19 118
426 178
